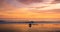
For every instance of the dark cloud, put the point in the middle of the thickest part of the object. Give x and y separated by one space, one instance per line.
29 1
57 1
1 2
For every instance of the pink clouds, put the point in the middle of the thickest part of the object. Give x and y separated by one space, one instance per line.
33 11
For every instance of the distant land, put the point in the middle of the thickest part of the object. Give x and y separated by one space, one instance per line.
31 19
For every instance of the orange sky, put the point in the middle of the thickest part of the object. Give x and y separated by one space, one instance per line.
51 11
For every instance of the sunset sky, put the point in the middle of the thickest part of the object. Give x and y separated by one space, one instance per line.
30 9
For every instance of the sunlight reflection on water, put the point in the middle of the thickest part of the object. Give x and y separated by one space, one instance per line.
26 28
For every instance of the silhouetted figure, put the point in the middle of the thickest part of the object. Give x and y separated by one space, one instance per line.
30 25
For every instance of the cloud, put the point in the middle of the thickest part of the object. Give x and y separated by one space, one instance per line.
50 8
57 1
14 9
28 3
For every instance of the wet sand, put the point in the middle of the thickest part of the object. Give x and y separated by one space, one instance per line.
26 28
